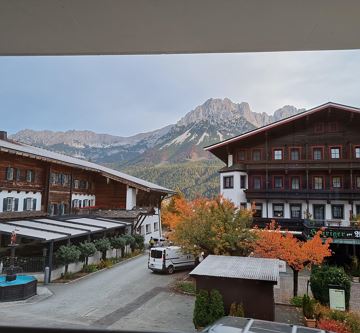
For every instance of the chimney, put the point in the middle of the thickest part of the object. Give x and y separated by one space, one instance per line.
3 135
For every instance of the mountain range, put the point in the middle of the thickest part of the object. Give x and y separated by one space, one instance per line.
171 155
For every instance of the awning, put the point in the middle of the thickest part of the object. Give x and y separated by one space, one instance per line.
55 229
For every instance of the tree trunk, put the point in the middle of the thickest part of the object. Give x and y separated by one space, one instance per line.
86 260
66 268
104 255
295 281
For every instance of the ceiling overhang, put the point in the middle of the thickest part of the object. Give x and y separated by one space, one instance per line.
90 27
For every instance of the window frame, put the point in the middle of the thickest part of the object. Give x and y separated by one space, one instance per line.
283 209
323 182
282 182
318 206
298 148
342 211
277 149
291 182
340 152
230 184
243 185
238 159
256 150
9 171
29 177
354 151
253 177
319 128
357 183
257 211
146 228
332 184
313 148
295 205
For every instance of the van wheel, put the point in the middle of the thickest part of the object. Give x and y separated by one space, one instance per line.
170 269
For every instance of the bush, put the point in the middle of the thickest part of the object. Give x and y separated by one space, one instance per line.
297 301
102 245
118 243
87 249
333 326
236 310
139 242
90 268
107 263
323 276
67 254
201 311
308 306
216 306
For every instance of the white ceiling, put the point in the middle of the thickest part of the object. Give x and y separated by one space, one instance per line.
57 27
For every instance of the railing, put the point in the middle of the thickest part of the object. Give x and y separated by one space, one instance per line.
27 264
289 224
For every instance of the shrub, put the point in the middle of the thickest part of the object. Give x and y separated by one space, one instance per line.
67 254
90 268
104 264
323 276
201 316
139 242
297 301
236 310
68 276
308 306
87 249
333 326
216 306
118 243
102 245
129 240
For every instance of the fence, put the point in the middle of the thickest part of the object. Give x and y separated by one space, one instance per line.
27 264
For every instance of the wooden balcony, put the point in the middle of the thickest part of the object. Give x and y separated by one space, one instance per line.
350 195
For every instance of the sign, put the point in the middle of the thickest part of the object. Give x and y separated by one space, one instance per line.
337 299
335 233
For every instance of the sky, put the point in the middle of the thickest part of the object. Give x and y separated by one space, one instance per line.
126 95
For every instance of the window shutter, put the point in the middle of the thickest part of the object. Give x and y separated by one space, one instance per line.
34 204
17 174
33 176
16 204
4 204
25 208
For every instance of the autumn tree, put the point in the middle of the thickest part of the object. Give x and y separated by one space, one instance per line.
214 226
272 243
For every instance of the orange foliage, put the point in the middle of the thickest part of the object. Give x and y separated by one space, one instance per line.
272 243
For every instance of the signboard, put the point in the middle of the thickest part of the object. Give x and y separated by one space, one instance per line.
337 299
335 233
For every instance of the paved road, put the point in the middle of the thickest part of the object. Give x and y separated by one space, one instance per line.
121 297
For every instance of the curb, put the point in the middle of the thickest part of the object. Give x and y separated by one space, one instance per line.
99 271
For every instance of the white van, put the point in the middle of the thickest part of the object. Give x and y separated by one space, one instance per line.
169 259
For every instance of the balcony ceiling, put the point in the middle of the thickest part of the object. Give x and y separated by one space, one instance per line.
87 27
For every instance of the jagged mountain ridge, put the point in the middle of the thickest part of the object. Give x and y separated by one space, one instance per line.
213 121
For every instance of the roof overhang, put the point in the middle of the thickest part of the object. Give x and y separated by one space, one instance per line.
92 27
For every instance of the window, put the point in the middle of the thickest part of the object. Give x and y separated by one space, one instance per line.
10 204
29 176
357 181
336 182
75 203
278 182
228 182
319 212
317 153
258 210
9 173
156 226
256 155
278 210
29 204
18 175
76 184
242 181
295 183
333 127
319 128
257 182
278 154
357 152
357 209
318 183
337 211
241 155
335 153
295 154
295 211
148 228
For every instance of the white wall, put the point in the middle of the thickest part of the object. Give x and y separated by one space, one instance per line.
21 196
235 194
130 198
151 220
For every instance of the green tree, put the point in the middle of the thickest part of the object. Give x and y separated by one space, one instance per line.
130 240
323 276
139 241
68 254
118 243
216 306
102 245
201 316
214 227
87 249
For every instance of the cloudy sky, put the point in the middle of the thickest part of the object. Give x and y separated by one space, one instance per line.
125 95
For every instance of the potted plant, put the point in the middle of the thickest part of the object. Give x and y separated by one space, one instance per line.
308 306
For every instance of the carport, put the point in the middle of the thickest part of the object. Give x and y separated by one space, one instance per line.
49 230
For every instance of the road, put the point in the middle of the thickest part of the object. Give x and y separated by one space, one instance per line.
128 296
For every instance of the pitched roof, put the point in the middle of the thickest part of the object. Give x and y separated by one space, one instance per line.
281 122
249 268
40 153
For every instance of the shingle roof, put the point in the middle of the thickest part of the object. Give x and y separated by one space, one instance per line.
36 152
249 268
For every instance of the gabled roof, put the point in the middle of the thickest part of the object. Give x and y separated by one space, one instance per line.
50 156
281 122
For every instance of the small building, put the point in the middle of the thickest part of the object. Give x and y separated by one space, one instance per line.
244 280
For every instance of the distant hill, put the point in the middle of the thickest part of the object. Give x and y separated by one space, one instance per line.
172 156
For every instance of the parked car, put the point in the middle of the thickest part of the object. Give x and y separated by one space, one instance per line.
169 259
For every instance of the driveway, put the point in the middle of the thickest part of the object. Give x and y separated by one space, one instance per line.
128 296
